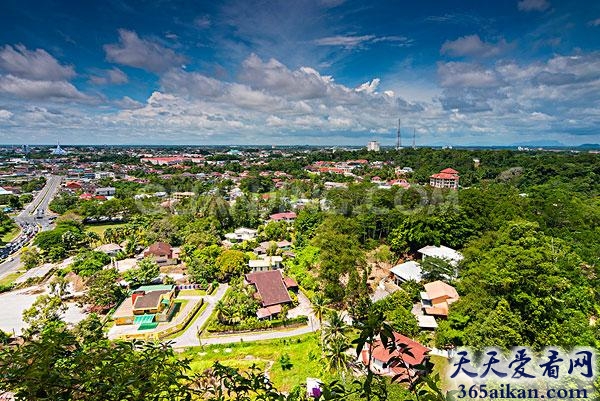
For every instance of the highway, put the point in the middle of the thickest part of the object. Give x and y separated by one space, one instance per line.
35 216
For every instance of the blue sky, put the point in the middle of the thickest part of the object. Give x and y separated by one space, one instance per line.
328 72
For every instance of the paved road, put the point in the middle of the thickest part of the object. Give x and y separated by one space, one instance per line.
190 337
28 218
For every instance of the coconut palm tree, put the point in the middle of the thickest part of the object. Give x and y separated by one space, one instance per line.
319 307
338 360
334 327
223 312
91 238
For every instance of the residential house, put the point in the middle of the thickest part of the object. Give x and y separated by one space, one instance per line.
182 195
414 354
73 185
264 247
447 178
147 304
272 291
406 271
441 252
110 249
266 263
162 253
285 216
105 191
437 298
241 235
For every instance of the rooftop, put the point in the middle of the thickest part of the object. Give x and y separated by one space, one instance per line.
270 287
441 252
410 270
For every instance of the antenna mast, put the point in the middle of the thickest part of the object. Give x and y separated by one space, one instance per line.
399 139
414 134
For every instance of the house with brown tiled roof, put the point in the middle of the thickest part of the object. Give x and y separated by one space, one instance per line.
162 253
147 304
272 291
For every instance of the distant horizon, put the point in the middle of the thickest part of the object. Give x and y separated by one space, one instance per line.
274 147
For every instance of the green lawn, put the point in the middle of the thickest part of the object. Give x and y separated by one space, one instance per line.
192 292
8 279
100 228
9 236
440 366
304 353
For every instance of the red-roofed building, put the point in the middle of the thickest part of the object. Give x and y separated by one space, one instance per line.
380 357
285 216
272 291
400 182
447 178
74 185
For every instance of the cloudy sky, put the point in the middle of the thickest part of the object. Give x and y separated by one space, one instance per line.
299 72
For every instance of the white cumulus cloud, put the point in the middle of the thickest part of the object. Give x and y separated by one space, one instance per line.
141 53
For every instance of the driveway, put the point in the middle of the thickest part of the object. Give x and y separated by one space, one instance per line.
189 337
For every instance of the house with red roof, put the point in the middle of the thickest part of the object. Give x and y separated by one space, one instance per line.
447 178
412 354
285 216
73 185
272 290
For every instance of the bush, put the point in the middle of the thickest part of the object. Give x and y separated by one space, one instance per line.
253 323
6 287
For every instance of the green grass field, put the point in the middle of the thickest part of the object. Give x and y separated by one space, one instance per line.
100 228
304 353
8 279
192 292
440 366
9 236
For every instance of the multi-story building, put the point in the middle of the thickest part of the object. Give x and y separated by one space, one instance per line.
447 178
373 146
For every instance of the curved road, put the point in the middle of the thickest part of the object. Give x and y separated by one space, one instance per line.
189 338
28 217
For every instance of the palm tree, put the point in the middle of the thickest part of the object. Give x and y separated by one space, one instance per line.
91 238
110 236
335 353
334 327
222 312
319 307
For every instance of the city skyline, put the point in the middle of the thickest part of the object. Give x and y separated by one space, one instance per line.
328 72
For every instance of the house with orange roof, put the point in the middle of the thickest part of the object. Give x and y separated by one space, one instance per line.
437 298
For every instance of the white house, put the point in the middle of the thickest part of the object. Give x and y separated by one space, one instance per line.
407 271
241 234
265 264
441 252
